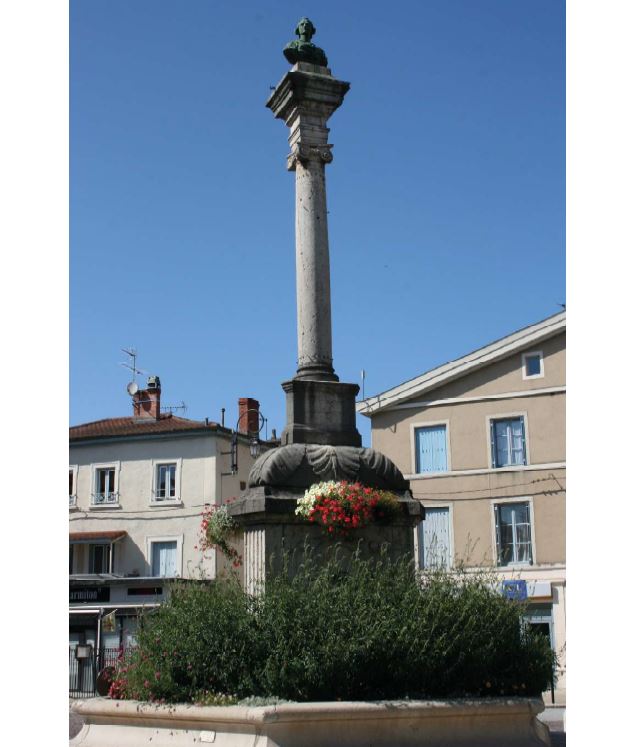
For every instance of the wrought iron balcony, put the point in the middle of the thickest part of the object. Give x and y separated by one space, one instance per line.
102 499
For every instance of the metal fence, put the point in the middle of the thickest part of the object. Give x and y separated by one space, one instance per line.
83 670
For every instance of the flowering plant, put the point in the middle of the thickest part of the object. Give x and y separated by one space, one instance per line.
217 527
340 507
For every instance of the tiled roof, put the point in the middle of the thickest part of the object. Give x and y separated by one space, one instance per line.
167 423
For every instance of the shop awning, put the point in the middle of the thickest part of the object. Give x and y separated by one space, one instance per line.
95 538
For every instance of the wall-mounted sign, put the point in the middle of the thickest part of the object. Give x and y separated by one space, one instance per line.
515 590
89 594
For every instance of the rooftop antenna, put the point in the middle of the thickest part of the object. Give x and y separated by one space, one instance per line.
172 408
132 387
363 380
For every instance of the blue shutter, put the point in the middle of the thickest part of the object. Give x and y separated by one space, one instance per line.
431 449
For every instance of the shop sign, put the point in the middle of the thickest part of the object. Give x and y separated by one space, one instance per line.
88 594
515 590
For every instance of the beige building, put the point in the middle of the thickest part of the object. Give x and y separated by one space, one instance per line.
137 487
482 441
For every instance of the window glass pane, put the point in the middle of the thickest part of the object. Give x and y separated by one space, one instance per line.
98 557
509 436
70 482
166 481
532 365
513 533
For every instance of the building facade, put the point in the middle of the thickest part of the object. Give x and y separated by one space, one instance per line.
482 441
137 487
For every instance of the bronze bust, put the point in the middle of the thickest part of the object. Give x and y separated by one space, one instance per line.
302 50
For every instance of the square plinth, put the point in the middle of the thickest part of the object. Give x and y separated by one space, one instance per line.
270 530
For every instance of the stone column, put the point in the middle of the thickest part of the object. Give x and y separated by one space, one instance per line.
313 282
305 99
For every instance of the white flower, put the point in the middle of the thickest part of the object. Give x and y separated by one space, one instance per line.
307 502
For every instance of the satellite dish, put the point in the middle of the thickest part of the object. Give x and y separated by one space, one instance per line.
132 388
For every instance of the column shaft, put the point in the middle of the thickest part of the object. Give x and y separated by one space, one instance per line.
313 284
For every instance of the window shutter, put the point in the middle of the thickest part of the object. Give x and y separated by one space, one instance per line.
432 449
435 538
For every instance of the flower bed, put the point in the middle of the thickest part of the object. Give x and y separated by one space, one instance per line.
341 507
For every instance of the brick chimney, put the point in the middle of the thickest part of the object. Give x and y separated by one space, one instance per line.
249 422
146 403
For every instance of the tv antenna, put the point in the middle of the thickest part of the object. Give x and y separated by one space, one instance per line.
132 387
172 408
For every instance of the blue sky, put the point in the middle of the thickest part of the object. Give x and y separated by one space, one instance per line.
446 192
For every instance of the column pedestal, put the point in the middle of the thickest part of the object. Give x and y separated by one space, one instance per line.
272 534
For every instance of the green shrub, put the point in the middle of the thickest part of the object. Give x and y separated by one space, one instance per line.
372 630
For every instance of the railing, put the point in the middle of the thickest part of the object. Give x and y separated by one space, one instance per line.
163 496
100 499
72 501
82 673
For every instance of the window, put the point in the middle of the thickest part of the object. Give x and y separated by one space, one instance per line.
513 533
164 558
539 618
70 560
72 489
434 539
105 486
431 449
508 442
533 366
99 559
165 482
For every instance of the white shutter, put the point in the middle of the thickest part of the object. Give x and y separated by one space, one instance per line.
434 539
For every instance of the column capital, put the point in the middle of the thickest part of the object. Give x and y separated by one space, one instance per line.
304 152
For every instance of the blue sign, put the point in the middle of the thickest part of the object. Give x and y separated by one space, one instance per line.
515 590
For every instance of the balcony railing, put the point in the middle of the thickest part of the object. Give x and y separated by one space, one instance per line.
160 496
72 501
103 499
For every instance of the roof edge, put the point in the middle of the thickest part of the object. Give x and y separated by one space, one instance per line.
460 367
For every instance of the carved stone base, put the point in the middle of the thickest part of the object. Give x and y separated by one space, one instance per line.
270 529
302 465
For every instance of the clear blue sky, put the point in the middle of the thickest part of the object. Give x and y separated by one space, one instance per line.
446 192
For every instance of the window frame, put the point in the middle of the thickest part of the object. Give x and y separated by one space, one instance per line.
96 468
72 497
176 500
450 506
490 446
109 551
532 354
414 427
532 528
178 538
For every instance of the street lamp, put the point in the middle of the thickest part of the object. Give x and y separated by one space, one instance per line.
254 441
